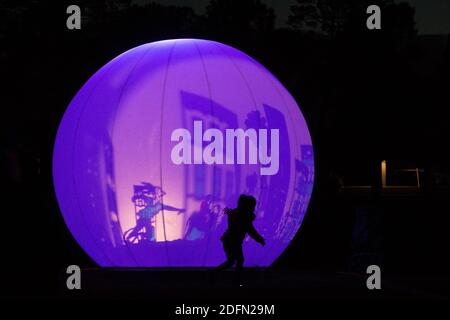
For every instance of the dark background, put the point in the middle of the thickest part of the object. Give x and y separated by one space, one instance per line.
367 96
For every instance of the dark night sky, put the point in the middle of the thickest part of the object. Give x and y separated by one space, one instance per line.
432 16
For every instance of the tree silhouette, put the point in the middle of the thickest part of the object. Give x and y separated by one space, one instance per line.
239 17
329 16
399 24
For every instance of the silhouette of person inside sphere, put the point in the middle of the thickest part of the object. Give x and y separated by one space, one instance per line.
240 223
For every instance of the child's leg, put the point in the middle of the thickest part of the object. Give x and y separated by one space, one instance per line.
151 233
148 228
230 257
225 265
240 263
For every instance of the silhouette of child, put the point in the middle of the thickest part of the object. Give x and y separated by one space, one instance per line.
240 223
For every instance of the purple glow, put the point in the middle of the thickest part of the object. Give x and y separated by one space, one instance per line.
112 157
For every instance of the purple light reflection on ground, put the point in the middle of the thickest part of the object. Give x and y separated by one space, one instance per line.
117 187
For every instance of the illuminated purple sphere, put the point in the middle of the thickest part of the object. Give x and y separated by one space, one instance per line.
164 137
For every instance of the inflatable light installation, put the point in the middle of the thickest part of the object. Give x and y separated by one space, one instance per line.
165 136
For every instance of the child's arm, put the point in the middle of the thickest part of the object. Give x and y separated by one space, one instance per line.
170 208
255 235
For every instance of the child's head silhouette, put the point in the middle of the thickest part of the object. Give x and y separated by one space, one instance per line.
246 203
